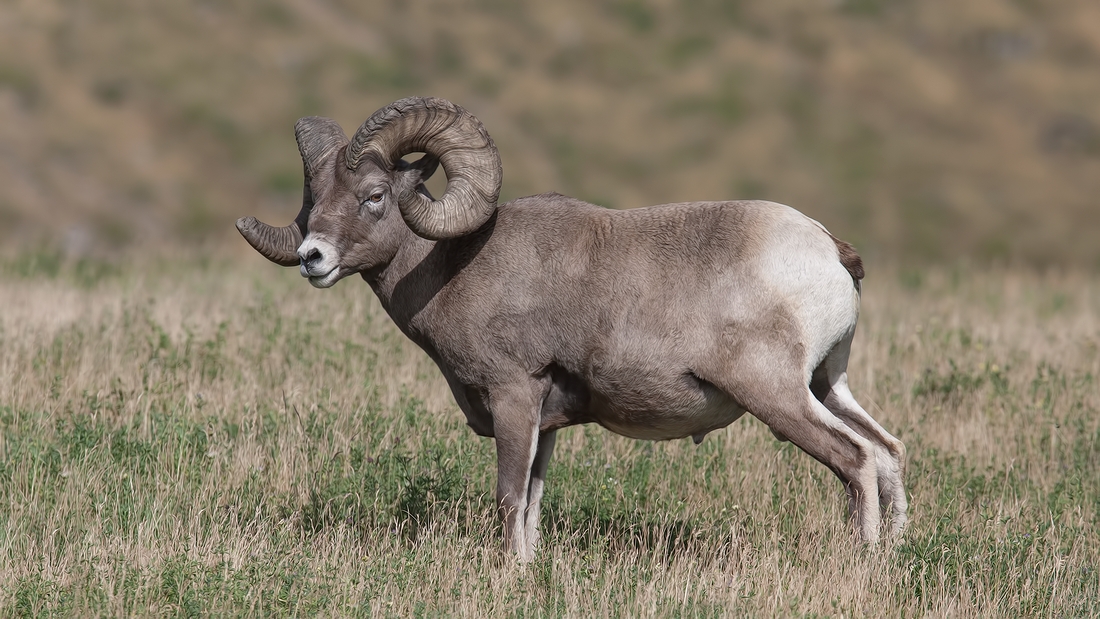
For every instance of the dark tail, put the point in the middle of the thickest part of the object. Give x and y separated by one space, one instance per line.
850 259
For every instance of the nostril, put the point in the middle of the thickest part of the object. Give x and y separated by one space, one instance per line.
312 256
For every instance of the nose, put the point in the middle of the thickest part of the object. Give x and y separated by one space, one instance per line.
317 257
312 257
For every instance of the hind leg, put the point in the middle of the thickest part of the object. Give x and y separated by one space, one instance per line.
785 404
890 451
831 387
851 457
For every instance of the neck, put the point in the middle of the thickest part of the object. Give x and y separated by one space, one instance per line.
386 279
407 283
419 271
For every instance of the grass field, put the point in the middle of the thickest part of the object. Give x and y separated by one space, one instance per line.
218 438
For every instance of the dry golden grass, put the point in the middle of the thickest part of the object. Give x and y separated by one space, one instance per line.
184 439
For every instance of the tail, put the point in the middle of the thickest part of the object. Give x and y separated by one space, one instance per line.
850 259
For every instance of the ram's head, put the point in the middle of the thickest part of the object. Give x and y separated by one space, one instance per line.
354 190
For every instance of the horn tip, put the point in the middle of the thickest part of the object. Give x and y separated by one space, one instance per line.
245 224
258 235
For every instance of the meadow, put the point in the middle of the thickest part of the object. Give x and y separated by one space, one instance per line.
204 434
183 438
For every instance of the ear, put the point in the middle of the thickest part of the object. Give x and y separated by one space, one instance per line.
426 165
414 174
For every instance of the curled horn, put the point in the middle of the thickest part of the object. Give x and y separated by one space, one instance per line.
464 149
318 138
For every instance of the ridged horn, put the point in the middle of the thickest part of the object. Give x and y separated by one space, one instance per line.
467 153
318 138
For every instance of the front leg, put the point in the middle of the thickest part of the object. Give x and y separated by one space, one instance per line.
535 487
516 426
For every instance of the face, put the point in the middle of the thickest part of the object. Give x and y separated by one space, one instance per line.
355 224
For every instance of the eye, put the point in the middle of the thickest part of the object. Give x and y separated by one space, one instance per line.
374 200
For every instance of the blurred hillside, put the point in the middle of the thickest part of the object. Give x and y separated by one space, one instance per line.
929 130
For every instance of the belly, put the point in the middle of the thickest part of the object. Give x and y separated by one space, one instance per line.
660 404
663 408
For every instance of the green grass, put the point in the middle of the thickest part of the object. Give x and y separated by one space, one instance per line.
223 440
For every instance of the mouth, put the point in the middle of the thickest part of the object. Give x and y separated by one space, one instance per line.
321 280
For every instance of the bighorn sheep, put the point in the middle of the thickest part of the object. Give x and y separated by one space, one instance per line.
545 312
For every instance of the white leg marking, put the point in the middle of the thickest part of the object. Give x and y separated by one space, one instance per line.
890 452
